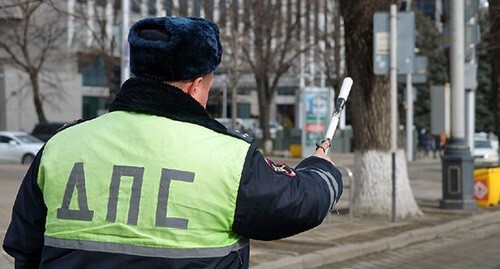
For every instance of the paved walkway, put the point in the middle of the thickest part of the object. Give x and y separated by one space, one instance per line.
473 248
338 237
10 178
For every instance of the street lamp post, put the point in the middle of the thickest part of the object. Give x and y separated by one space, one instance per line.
125 60
458 168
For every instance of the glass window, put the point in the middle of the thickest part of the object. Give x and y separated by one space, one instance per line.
286 91
92 70
28 139
4 139
91 106
244 91
481 144
243 110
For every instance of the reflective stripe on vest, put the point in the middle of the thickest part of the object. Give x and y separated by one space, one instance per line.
174 253
142 185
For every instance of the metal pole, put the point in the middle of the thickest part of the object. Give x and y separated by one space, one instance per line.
471 122
109 23
409 107
224 98
71 22
144 8
471 102
394 104
458 167
125 60
409 117
457 59
234 106
349 173
90 22
159 8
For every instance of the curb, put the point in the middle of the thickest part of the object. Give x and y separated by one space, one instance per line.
345 252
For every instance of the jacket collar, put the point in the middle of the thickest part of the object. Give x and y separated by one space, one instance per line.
156 98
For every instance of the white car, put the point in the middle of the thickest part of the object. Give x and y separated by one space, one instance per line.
483 152
18 147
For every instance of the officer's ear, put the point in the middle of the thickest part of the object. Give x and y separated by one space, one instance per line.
199 87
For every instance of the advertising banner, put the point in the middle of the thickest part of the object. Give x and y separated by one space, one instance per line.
317 111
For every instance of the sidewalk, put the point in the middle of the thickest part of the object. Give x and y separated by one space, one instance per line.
338 239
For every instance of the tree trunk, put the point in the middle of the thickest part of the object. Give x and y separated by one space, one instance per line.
110 64
264 108
494 51
37 100
373 174
234 84
370 103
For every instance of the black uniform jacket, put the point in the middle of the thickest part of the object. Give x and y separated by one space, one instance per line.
274 201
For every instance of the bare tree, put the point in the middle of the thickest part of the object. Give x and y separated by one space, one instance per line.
370 103
332 38
97 19
232 58
30 34
272 50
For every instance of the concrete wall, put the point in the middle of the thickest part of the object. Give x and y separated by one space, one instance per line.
62 91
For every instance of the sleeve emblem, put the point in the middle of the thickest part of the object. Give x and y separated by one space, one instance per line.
280 168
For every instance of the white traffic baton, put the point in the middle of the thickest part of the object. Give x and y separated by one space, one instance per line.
345 89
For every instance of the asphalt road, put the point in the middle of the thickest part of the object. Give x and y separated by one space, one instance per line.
10 179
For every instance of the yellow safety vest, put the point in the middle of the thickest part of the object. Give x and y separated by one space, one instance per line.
142 185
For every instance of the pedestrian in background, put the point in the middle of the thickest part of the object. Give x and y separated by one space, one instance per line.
492 139
430 145
157 183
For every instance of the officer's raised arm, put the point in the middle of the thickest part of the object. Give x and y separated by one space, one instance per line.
276 201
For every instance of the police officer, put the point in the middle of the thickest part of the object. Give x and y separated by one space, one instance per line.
157 183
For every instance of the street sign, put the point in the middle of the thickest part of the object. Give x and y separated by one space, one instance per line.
420 71
480 190
405 43
470 76
472 34
470 8
440 109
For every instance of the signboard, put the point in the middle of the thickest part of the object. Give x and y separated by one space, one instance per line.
420 71
472 32
382 46
440 109
470 76
480 190
317 103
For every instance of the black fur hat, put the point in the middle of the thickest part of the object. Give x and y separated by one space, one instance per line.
174 48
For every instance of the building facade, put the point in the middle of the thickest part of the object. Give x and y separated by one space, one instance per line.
86 68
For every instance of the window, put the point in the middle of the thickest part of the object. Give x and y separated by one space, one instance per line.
243 110
244 91
92 69
286 91
4 139
92 106
27 139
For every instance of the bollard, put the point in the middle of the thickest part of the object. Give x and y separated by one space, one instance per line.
348 171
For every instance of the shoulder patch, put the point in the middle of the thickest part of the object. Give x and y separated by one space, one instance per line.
280 168
73 123
240 135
